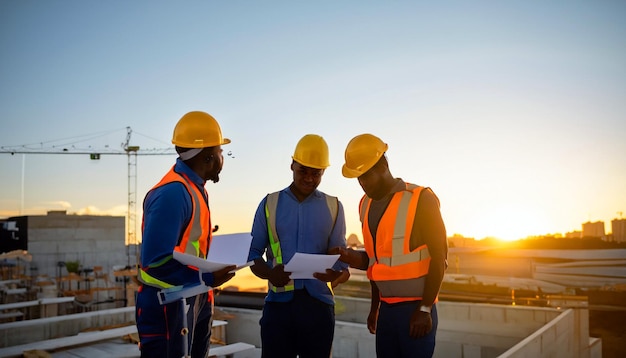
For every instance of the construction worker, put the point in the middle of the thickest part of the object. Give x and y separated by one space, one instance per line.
176 217
405 252
298 315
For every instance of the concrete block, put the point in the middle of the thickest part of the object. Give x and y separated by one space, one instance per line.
367 347
582 330
345 348
455 312
548 338
532 349
352 309
447 349
595 348
239 326
471 351
22 332
487 314
519 316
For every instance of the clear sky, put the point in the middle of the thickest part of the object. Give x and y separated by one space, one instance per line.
513 112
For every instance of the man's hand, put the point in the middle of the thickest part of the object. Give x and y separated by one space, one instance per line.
421 323
345 275
372 318
335 277
278 276
221 276
344 253
354 258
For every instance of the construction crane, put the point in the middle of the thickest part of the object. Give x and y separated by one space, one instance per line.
131 151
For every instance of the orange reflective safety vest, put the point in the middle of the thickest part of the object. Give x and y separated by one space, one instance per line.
399 273
196 237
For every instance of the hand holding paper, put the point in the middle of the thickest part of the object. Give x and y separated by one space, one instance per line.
278 277
221 276
334 277
303 266
225 250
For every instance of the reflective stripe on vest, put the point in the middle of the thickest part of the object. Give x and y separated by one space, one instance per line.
271 203
398 272
195 239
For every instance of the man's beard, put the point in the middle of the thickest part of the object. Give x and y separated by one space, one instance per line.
215 177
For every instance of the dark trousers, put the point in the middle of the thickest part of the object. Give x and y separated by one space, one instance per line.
303 327
160 326
392 332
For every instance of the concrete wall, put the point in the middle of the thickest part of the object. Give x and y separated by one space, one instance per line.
468 330
34 330
561 337
91 240
485 330
465 330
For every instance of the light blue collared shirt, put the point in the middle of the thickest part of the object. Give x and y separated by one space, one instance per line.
305 227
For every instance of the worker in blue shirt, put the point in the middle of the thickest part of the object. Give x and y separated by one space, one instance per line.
176 217
298 315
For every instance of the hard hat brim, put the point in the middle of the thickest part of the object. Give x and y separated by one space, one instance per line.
355 173
309 165
350 173
200 145
366 152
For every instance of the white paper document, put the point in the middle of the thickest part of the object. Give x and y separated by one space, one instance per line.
225 250
305 265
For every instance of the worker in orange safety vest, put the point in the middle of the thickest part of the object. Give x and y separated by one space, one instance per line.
176 217
405 252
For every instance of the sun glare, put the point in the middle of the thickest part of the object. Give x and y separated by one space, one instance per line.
507 223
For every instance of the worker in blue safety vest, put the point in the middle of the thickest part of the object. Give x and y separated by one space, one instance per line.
298 315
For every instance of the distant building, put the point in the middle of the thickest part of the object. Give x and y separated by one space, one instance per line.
458 240
593 229
574 235
618 229
57 237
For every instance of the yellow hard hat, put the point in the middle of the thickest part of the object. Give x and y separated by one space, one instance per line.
198 130
362 153
312 151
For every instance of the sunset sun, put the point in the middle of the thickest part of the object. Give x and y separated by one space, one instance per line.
509 223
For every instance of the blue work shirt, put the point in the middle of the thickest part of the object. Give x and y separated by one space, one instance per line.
305 227
166 213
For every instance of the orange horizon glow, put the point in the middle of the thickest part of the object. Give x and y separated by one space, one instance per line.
504 226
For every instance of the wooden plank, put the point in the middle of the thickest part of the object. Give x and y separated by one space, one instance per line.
41 301
106 349
96 289
119 348
13 314
131 272
57 343
83 338
53 300
232 348
9 282
16 305
218 323
14 291
57 319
